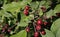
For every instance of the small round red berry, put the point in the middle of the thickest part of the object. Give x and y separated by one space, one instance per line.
39 22
43 32
26 12
38 27
36 34
45 23
27 7
6 25
9 30
3 29
27 29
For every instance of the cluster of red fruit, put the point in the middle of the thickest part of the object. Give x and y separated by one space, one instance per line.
39 23
38 27
26 10
7 28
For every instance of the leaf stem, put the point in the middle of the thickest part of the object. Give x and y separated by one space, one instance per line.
34 26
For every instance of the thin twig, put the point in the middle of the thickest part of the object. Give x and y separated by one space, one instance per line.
34 26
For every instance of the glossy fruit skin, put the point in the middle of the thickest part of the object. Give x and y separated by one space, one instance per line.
26 12
27 29
36 34
9 30
3 29
45 23
38 27
43 32
27 7
6 26
39 22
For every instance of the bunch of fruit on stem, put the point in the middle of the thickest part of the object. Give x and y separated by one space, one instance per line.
38 25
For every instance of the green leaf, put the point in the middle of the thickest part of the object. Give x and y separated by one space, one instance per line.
47 4
48 34
24 20
40 12
55 26
34 5
57 8
6 36
20 34
4 13
5 1
14 6
58 1
28 1
9 15
42 3
58 33
50 13
1 12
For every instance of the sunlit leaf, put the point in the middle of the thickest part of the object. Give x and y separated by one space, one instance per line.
48 34
55 26
20 34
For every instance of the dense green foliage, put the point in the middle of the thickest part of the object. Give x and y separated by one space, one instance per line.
12 13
